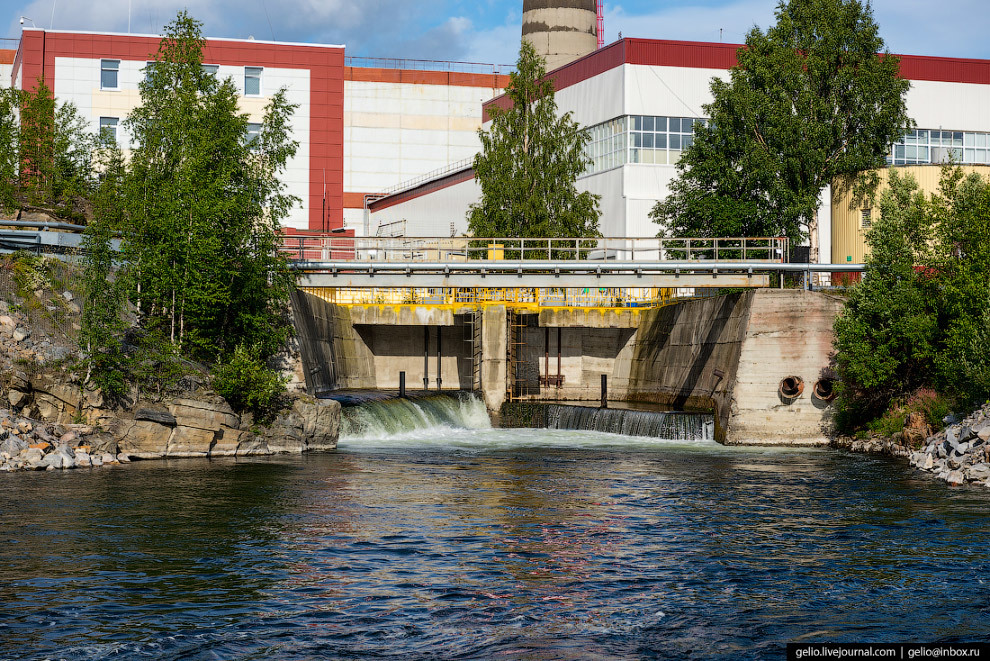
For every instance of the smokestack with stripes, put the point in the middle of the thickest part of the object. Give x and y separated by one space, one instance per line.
560 30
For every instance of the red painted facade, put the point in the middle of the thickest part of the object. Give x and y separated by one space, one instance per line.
702 55
39 48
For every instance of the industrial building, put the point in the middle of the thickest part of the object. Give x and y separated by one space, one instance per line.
386 145
641 98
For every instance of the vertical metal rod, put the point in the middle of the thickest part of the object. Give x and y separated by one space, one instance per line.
559 378
402 384
604 391
439 354
426 357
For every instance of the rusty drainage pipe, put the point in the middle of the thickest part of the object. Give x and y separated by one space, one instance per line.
825 390
791 387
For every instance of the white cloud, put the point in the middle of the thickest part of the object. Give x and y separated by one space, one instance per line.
400 28
950 28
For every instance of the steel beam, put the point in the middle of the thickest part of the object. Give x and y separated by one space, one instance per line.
542 280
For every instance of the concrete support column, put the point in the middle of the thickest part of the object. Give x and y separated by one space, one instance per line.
494 326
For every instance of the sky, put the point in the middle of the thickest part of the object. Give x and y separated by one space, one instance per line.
488 31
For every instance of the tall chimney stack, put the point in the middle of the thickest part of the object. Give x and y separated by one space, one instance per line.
561 31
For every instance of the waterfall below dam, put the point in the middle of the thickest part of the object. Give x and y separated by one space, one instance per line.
379 416
668 425
383 418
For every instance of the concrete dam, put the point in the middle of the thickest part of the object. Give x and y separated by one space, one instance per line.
756 360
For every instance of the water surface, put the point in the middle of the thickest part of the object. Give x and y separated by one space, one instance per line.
489 544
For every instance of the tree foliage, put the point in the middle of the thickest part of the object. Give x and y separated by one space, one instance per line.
529 163
205 206
104 286
920 316
9 138
45 153
809 100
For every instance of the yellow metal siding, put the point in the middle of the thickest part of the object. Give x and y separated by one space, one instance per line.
848 237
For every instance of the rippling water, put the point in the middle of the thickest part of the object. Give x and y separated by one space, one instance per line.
489 544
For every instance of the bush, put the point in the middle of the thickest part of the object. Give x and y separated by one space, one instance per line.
249 385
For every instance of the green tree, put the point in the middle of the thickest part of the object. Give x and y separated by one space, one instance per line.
529 163
885 339
10 101
961 261
810 100
55 153
920 318
205 206
104 290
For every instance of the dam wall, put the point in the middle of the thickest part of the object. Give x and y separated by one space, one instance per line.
726 355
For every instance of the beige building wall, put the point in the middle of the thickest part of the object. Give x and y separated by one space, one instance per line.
850 220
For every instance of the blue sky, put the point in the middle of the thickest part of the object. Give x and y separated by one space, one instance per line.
488 30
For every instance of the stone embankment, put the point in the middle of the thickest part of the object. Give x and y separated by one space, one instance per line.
959 454
65 426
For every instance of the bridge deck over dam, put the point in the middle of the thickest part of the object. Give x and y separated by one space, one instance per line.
517 330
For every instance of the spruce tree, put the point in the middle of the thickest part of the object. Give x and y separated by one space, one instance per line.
529 162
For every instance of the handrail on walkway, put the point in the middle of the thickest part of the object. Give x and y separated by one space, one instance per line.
327 247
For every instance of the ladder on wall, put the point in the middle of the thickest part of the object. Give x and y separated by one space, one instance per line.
514 349
475 347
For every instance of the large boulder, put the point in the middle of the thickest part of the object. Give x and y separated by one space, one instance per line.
203 428
143 439
311 425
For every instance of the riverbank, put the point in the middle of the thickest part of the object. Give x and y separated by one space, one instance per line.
51 418
958 454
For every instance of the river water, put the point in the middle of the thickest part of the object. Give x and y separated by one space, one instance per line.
447 543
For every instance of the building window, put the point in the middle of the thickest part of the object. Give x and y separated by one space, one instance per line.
253 134
211 69
926 146
640 139
252 81
108 128
866 218
149 70
109 71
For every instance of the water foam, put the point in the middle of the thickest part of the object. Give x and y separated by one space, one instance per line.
413 418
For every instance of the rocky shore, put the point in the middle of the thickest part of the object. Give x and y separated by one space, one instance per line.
959 454
49 419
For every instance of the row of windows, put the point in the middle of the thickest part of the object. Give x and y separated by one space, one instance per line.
108 129
110 76
926 146
639 139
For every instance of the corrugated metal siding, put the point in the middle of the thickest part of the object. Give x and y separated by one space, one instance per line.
945 69
698 55
848 237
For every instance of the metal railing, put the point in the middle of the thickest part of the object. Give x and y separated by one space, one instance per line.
439 173
516 297
323 248
428 65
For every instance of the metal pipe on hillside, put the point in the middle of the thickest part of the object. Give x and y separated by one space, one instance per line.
42 225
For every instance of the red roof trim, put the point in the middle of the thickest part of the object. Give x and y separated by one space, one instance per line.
719 56
426 188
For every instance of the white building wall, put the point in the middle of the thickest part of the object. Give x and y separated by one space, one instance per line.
396 132
433 214
595 100
949 106
77 80
668 91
